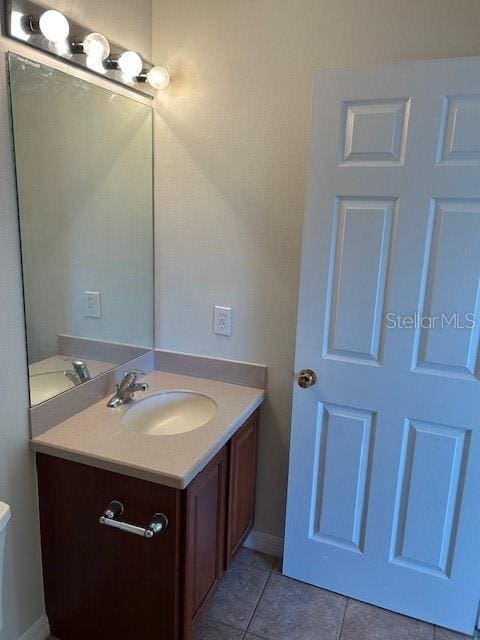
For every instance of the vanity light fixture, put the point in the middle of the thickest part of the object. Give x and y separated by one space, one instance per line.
51 31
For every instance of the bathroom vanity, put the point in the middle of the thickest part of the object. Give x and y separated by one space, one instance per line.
102 581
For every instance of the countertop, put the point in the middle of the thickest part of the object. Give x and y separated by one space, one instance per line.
96 436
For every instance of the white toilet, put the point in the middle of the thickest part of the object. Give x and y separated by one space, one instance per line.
4 518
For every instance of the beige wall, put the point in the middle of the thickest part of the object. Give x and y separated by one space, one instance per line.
231 143
23 594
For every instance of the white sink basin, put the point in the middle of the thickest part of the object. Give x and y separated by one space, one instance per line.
44 386
169 413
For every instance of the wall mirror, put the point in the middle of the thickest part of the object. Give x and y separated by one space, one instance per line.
83 159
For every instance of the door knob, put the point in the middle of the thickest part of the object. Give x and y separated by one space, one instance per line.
307 378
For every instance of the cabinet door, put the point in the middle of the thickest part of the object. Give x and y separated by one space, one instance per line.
205 538
242 480
101 582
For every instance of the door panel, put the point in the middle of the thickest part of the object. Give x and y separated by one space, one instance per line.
450 282
460 136
383 484
374 132
433 456
360 247
342 453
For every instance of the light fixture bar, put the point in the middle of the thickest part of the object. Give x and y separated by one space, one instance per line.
64 38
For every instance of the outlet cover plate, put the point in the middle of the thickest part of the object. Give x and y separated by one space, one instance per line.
92 301
222 321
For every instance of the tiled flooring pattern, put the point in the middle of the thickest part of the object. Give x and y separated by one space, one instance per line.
254 601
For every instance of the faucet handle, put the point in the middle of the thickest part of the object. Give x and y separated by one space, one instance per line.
136 386
81 368
133 372
128 386
76 361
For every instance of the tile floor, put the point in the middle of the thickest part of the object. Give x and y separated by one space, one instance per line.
255 602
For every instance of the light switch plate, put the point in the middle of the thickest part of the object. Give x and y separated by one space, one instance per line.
222 321
92 300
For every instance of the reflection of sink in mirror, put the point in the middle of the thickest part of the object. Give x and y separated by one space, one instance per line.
46 385
169 413
57 374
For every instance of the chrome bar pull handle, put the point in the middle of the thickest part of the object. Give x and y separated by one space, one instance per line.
115 509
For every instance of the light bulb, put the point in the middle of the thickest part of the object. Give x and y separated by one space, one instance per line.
61 48
95 64
131 64
54 26
16 26
158 77
96 47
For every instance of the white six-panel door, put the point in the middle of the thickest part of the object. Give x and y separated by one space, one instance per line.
384 484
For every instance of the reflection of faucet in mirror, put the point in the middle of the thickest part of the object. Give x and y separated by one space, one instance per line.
80 372
127 388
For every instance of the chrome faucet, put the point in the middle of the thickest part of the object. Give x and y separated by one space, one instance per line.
127 388
80 368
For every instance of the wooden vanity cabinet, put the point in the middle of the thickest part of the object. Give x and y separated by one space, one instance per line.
241 486
103 582
205 529
100 582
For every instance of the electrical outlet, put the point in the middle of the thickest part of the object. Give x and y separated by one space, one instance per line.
92 300
222 321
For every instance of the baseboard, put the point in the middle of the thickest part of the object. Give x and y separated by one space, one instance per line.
265 542
38 631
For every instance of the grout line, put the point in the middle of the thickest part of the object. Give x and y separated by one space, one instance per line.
216 621
259 600
343 618
224 624
245 631
220 623
254 635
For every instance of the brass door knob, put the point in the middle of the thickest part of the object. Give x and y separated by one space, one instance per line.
307 378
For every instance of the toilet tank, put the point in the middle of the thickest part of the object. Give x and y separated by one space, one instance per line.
4 518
